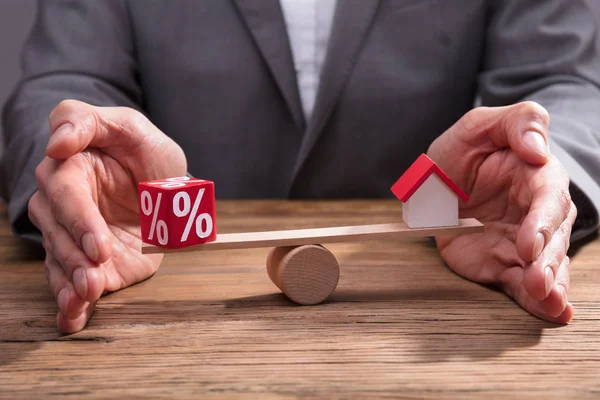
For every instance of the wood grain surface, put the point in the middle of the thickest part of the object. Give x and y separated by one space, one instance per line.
212 325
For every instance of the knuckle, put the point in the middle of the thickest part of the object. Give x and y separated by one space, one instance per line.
61 106
75 225
49 238
53 275
64 107
130 122
534 111
557 253
134 121
58 202
563 198
547 230
565 275
49 264
58 196
512 287
68 104
71 262
77 112
557 208
47 271
41 173
88 121
45 244
32 209
573 212
565 231
472 120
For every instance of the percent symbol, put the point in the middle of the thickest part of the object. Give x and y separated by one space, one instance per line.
160 226
183 210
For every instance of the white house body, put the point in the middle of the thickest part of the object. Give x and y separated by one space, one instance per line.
433 204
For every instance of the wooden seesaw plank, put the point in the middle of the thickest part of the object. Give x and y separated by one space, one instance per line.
297 237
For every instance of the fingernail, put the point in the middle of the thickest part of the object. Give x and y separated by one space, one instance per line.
60 133
549 280
63 300
80 282
536 143
538 246
89 246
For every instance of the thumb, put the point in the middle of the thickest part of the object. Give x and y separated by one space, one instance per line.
123 133
522 127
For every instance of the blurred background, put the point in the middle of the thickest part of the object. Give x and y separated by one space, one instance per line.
16 17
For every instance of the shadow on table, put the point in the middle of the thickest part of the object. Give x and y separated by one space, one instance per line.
13 351
27 307
424 323
444 324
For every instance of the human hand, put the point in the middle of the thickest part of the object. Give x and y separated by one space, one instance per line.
500 157
86 205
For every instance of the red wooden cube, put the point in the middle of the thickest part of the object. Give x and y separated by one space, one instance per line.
177 212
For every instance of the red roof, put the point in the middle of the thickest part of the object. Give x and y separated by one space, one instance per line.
418 173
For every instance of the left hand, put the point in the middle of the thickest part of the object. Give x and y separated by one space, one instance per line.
499 156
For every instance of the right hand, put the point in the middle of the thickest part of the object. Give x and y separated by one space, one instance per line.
86 205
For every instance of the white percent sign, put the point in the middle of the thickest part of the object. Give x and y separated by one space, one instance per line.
180 210
162 232
183 210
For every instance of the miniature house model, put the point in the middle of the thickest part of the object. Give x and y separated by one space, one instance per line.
429 196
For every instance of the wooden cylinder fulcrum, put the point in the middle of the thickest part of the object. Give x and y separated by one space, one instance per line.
306 274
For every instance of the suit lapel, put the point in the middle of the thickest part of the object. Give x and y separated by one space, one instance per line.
350 27
264 19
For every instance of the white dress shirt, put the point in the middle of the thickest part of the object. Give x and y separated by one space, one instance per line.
308 24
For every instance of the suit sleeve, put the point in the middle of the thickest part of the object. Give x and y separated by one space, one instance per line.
546 51
80 50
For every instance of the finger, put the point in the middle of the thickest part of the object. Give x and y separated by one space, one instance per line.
551 205
66 186
522 127
123 133
73 325
567 315
75 125
557 301
87 277
540 276
68 301
563 277
563 282
512 284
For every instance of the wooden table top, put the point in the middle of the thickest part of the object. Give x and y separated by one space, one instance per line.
400 324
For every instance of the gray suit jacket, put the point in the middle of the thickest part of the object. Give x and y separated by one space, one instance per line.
218 77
